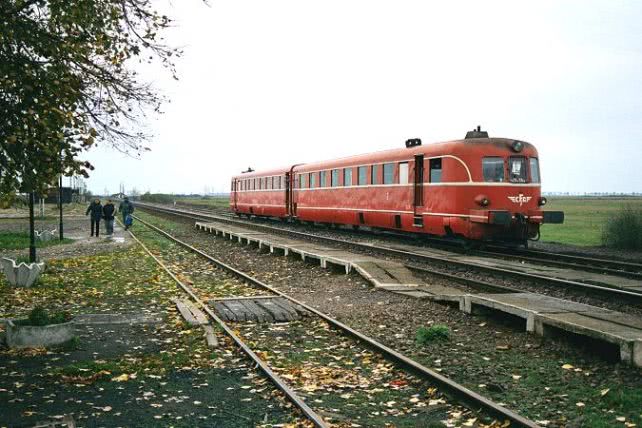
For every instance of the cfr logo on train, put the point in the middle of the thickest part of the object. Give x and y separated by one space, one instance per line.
520 199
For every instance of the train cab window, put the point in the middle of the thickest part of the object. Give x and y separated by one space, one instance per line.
403 173
313 180
517 169
435 170
322 179
335 178
534 170
388 173
347 176
374 174
493 169
363 175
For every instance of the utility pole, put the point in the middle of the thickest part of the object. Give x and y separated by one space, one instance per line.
60 229
32 234
60 207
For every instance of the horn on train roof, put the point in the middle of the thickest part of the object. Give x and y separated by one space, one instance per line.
476 133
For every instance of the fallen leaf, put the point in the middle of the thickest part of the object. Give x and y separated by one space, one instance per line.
567 367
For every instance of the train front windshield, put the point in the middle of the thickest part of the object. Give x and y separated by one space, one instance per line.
517 168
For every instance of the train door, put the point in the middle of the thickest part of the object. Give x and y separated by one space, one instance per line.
288 195
418 191
235 192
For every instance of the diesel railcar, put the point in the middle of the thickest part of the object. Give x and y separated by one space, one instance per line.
477 188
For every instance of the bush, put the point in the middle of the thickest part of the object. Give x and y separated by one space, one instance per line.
437 332
39 317
624 230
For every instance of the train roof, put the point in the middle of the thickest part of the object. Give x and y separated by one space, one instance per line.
456 147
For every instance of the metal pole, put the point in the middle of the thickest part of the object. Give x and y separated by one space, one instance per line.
32 233
60 206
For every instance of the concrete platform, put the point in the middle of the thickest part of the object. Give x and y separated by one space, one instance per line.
382 274
542 314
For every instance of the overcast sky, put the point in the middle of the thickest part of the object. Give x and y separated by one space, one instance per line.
272 83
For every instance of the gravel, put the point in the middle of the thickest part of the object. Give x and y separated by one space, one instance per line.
493 356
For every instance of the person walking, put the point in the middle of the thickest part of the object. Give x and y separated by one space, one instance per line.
96 211
126 208
108 214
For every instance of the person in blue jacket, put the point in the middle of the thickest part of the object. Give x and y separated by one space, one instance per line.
126 208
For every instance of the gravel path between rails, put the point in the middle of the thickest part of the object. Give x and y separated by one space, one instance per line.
528 373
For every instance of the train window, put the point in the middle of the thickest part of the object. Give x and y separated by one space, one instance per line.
322 180
335 178
403 173
302 182
388 173
313 180
374 175
435 170
534 170
347 176
363 175
517 168
269 182
493 169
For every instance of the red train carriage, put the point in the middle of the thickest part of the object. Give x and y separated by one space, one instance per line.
478 188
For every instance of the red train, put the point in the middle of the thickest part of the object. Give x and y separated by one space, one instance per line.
478 188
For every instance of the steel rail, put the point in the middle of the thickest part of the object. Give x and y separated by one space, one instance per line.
314 417
465 395
636 296
616 267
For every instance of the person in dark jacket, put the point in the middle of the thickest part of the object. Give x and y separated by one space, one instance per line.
125 208
108 215
96 211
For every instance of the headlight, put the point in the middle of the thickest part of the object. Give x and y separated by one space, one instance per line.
482 200
517 146
542 201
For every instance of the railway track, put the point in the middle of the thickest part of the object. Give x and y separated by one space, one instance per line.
451 389
632 296
627 269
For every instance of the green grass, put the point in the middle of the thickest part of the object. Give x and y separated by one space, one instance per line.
17 241
435 333
215 202
585 218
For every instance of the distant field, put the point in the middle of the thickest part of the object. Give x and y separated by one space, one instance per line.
217 202
584 218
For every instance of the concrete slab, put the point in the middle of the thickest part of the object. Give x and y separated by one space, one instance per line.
629 339
130 318
538 303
